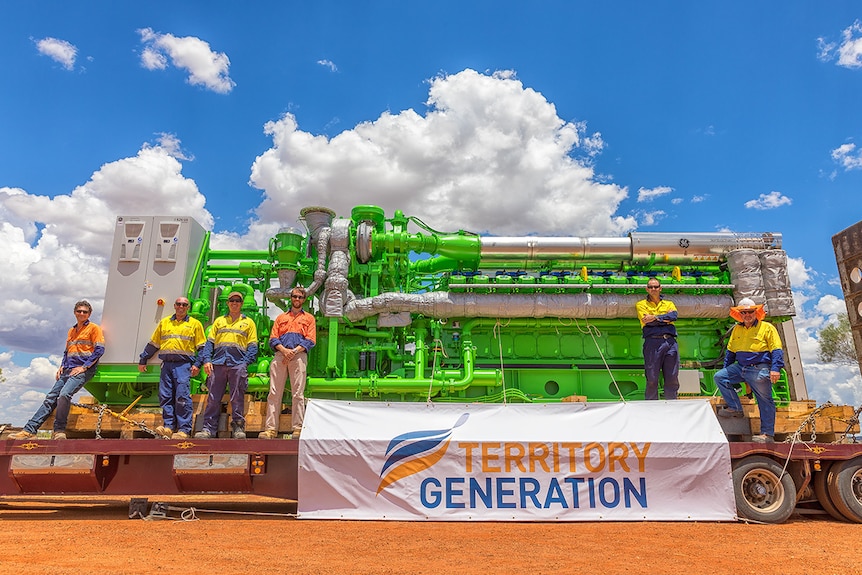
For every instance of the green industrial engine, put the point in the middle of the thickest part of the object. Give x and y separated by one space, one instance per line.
408 313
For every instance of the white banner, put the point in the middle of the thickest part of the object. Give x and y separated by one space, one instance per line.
634 461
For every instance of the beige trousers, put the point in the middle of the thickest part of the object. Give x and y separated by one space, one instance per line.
279 370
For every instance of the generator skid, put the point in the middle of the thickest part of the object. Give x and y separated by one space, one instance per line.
408 313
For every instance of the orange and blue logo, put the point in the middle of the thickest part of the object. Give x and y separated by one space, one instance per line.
415 451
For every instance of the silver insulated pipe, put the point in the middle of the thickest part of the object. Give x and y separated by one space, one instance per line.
640 247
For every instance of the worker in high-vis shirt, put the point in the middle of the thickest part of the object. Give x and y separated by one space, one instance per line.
660 348
231 347
178 339
85 344
754 356
293 334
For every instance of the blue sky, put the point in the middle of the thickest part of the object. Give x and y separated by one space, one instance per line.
557 118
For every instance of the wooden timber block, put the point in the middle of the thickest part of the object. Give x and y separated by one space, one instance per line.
821 425
841 426
255 415
87 421
284 423
199 403
254 407
798 407
750 410
256 422
844 412
86 400
575 399
246 403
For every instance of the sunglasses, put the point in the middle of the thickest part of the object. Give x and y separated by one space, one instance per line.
82 311
181 304
653 287
297 297
746 312
234 300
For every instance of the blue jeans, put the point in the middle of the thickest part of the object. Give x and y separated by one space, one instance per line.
757 376
175 395
60 397
661 356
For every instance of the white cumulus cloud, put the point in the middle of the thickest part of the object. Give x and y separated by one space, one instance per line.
328 64
489 154
57 248
651 218
60 51
848 156
839 384
847 52
649 194
769 201
205 67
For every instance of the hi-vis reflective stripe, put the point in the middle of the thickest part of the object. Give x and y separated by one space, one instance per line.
178 336
89 342
234 331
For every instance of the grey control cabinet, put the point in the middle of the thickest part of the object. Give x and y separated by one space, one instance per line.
152 263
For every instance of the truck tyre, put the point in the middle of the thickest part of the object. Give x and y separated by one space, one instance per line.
845 488
762 492
821 490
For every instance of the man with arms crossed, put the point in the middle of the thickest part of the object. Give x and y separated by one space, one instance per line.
661 351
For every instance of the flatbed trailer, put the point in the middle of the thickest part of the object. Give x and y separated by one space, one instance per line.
480 319
149 467
770 481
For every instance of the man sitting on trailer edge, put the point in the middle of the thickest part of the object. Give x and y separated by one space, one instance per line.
85 344
754 356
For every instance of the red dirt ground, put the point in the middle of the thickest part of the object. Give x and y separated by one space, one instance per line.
92 535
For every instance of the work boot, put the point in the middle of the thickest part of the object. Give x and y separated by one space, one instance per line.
23 434
180 435
204 434
164 432
58 435
727 412
238 431
268 434
761 438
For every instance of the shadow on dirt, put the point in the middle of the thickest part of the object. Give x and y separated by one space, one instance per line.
157 508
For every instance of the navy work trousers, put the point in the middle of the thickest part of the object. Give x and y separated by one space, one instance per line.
661 356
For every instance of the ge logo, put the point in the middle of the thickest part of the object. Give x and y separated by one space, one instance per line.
683 243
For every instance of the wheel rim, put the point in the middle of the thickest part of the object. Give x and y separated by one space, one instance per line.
856 486
763 490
